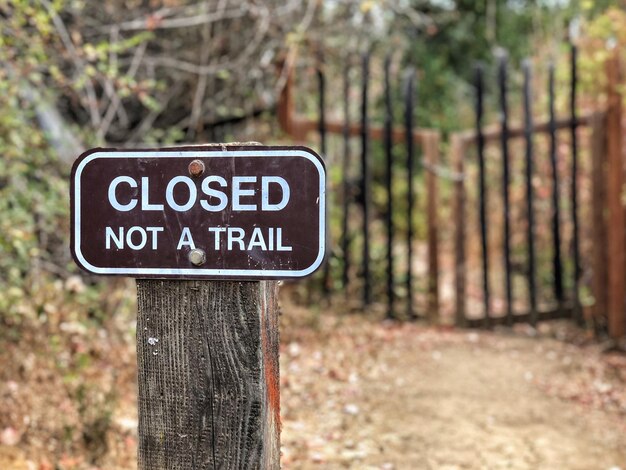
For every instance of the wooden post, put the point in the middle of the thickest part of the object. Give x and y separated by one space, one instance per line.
615 186
431 156
286 103
598 205
288 120
458 155
208 375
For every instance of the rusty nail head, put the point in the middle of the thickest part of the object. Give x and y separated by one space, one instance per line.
196 168
197 257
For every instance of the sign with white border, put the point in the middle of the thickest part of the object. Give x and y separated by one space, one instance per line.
212 212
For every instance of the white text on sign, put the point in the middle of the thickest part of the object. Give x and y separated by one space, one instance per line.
243 189
243 193
235 238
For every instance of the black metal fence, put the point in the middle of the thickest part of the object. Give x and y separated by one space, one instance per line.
567 304
400 154
407 166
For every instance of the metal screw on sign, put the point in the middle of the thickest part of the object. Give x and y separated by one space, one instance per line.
197 257
196 168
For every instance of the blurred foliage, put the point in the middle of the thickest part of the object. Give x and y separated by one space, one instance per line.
446 49
33 201
42 46
109 72
130 72
37 275
604 36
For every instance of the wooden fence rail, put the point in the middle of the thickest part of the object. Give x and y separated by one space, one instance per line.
616 232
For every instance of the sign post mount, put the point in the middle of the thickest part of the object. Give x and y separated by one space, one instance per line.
191 223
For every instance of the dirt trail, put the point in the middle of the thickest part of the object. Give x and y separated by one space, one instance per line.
355 393
410 398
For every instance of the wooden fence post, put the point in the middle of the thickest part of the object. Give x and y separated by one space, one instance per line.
208 375
598 205
615 187
431 156
458 156
286 105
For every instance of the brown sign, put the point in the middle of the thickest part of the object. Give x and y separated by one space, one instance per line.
219 212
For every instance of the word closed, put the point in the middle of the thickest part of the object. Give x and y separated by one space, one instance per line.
221 212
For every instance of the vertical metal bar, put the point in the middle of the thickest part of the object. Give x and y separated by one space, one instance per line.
504 144
365 180
347 182
389 181
321 124
410 164
556 227
530 228
574 188
326 282
480 141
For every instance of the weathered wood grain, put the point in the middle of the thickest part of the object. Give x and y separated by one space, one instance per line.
598 217
208 375
460 277
616 244
431 156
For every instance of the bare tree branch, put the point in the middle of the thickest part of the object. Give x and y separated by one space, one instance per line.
91 100
151 117
291 52
154 21
198 98
116 101
211 69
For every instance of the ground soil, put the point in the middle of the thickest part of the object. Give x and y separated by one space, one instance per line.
372 395
356 393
